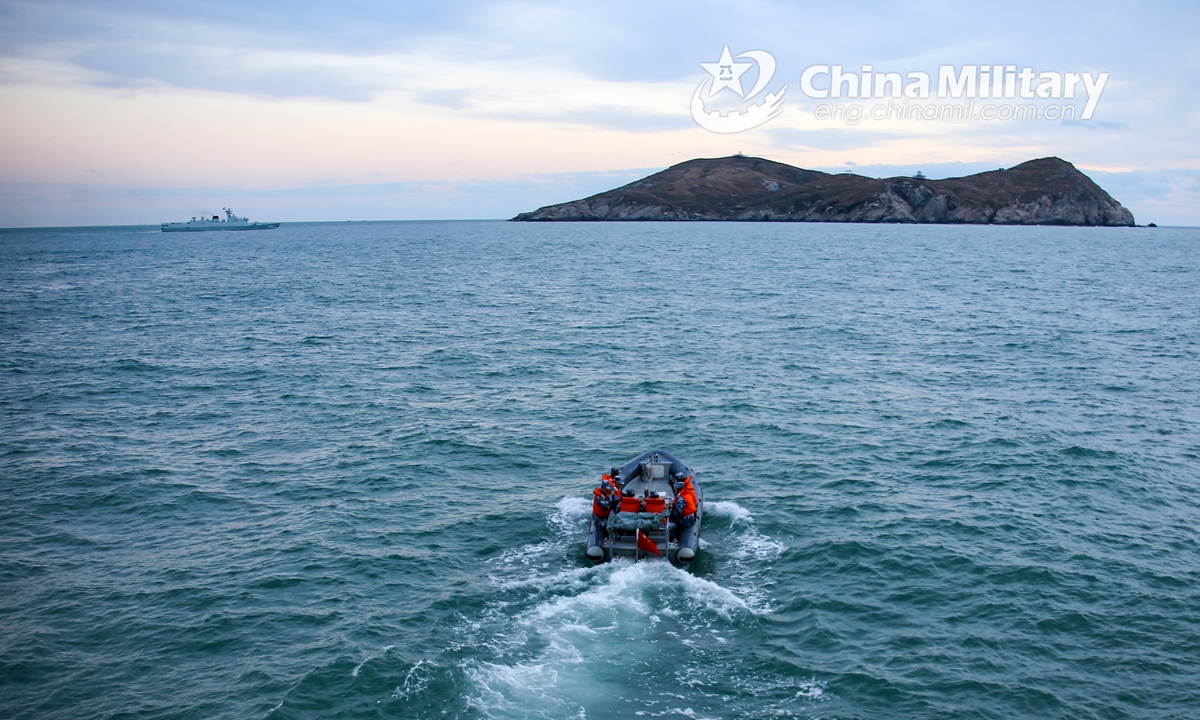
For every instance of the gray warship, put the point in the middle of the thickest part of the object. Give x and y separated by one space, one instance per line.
229 222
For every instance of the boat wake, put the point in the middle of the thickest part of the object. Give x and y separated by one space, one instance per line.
415 681
573 646
569 515
726 508
749 555
566 639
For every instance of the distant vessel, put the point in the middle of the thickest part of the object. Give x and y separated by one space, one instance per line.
231 222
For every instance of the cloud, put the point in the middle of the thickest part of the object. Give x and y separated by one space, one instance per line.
1164 197
623 41
274 94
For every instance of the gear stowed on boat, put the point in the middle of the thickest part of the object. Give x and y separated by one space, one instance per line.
648 509
231 222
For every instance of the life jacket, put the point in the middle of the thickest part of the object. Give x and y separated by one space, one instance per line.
655 504
688 489
688 493
631 504
689 502
601 510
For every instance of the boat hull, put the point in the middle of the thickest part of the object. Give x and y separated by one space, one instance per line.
217 227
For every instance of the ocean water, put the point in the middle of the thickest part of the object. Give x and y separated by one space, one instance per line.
341 470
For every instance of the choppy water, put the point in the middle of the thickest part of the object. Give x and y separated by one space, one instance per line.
339 471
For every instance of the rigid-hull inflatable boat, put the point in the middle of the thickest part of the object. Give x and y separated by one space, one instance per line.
625 534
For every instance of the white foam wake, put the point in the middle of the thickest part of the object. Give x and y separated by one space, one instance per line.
753 545
574 647
569 513
581 629
367 659
414 682
727 508
749 553
568 520
812 689
637 589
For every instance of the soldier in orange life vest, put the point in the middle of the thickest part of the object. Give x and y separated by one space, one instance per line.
683 510
603 500
613 478
688 496
688 489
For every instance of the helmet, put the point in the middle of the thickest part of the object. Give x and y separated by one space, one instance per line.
679 477
615 472
653 493
678 486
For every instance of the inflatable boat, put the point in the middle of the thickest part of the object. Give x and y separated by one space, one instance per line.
641 526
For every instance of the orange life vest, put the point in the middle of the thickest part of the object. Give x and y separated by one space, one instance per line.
631 504
689 502
688 493
598 510
655 504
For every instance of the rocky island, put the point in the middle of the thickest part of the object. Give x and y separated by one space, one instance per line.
1048 191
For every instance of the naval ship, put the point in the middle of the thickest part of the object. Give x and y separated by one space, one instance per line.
231 222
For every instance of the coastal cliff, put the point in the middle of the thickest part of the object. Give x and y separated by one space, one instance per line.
1048 191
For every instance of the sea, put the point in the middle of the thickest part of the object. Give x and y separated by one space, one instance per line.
343 470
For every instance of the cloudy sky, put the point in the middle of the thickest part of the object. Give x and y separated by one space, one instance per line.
141 112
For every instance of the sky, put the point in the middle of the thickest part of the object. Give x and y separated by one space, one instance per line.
141 112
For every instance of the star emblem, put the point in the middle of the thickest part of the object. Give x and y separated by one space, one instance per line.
726 73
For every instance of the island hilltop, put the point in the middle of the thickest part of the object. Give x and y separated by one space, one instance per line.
1048 191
